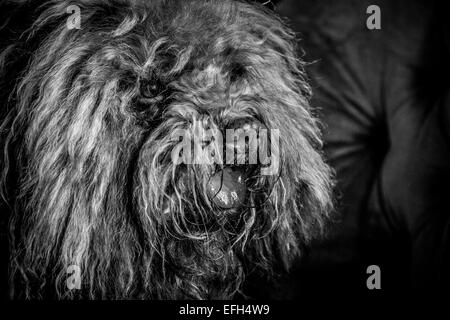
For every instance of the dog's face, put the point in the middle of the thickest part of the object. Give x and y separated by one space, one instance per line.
106 180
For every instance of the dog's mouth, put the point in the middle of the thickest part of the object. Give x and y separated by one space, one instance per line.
209 170
227 188
236 179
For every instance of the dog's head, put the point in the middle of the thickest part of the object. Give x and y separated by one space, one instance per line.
166 148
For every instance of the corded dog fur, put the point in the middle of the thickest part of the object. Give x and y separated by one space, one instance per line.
88 116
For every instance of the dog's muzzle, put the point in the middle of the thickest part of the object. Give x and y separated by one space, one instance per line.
227 188
231 156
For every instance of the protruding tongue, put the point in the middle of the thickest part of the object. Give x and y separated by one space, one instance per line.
227 189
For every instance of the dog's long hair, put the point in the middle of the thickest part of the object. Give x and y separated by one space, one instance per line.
86 144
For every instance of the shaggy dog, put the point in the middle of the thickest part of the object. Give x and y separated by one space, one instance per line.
87 138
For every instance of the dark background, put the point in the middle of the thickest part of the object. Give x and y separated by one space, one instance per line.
383 98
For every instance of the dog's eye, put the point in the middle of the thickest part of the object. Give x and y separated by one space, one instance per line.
151 88
237 71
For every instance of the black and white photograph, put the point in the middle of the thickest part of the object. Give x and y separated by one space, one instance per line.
238 151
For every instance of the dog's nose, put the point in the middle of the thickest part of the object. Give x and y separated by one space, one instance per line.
227 188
